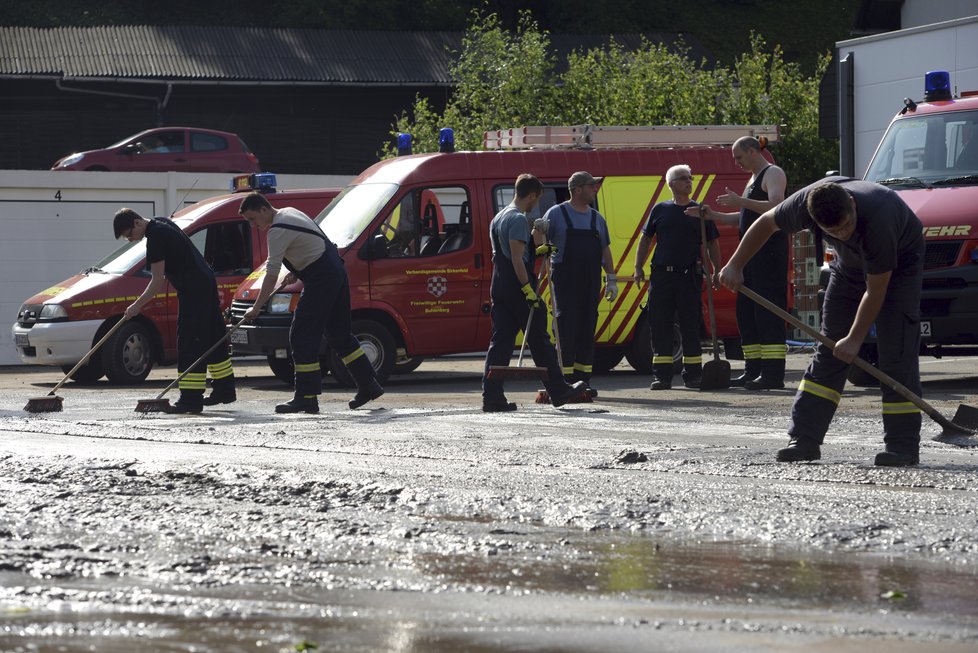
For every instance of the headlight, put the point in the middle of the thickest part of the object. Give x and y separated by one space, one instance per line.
280 303
53 312
71 160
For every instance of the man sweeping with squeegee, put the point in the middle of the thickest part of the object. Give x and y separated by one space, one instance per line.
875 280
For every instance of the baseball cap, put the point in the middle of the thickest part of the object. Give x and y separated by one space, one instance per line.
582 178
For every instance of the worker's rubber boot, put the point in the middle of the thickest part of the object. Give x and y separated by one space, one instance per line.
222 392
299 404
896 459
752 370
190 401
662 377
771 378
574 393
367 387
799 450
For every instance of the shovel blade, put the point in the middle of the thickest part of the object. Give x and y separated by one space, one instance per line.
716 375
966 416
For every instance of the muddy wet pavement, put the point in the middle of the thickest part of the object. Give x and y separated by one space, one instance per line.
642 521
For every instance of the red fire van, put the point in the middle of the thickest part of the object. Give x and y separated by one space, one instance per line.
413 233
58 325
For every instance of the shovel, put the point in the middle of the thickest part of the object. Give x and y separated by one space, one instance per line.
716 373
965 419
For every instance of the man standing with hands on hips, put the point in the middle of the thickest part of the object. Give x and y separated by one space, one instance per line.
582 248
762 334
324 306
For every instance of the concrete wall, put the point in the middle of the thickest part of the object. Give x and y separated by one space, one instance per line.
55 224
889 67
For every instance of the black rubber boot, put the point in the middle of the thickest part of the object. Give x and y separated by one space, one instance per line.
367 387
752 370
771 378
299 405
896 459
799 450
222 392
499 405
190 401
662 377
567 394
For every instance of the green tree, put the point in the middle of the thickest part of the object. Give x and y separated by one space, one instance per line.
507 79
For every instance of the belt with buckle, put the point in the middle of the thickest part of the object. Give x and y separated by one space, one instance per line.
675 268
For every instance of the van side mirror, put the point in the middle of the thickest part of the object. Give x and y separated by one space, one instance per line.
374 248
133 148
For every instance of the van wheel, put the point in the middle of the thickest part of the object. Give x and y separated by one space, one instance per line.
407 364
284 370
606 358
639 354
128 356
863 379
377 343
88 373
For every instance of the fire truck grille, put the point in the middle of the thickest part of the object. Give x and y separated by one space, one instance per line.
238 309
941 254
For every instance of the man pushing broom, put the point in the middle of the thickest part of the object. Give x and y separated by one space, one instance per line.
515 303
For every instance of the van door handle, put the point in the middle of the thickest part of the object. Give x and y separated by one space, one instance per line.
478 261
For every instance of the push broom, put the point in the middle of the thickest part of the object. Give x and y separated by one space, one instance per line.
51 403
504 372
159 404
965 419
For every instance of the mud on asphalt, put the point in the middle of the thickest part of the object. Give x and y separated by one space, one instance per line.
422 524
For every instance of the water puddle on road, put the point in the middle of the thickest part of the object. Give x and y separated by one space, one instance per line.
520 584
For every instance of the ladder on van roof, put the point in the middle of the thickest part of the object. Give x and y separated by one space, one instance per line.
593 136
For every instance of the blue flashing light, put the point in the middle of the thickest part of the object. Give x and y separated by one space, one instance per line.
403 144
263 182
937 86
446 140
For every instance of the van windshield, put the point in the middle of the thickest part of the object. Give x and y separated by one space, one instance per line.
123 259
922 151
353 210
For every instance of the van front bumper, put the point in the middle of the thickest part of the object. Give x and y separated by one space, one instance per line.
54 343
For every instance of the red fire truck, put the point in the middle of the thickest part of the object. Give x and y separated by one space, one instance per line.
58 325
413 233
929 155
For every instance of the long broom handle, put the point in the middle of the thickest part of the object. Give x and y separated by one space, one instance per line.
529 321
207 353
108 334
553 303
199 360
709 285
879 375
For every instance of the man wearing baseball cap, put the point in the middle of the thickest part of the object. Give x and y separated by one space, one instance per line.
581 247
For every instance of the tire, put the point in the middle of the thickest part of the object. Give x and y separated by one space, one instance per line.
284 370
639 354
862 379
606 358
377 343
128 356
88 373
407 364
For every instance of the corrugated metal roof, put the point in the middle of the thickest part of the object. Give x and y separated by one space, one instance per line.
253 54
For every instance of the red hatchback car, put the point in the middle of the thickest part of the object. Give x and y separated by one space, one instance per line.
165 149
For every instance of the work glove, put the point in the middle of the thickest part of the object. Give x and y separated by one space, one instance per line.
532 298
546 249
611 286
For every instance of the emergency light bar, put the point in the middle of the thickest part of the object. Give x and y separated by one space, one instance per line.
263 182
592 136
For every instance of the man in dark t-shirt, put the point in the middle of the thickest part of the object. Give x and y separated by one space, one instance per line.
875 282
171 255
